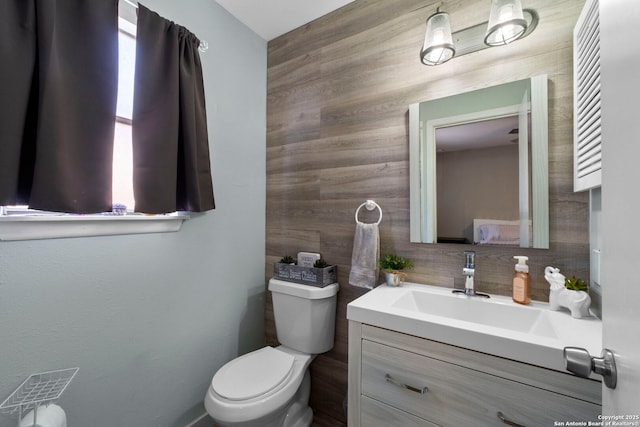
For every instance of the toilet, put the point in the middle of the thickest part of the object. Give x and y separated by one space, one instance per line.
271 386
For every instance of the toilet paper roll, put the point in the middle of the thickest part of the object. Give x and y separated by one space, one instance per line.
47 416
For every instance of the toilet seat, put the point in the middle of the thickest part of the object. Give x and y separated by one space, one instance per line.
225 410
254 374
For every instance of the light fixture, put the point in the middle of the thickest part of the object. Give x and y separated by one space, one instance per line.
506 22
438 44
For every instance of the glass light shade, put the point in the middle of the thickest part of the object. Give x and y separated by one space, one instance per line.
506 22
438 44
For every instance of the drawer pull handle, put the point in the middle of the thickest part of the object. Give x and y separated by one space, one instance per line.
507 421
390 379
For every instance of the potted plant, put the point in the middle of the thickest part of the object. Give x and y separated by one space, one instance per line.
320 263
575 284
570 293
393 267
288 259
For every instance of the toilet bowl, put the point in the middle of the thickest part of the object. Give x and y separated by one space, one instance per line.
271 386
258 388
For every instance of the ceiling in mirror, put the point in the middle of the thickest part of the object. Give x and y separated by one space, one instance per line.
502 131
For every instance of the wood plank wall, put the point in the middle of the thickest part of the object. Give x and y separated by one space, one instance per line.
338 95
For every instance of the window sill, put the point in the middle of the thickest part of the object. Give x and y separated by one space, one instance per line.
35 227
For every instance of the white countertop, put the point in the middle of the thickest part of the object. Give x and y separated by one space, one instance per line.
532 334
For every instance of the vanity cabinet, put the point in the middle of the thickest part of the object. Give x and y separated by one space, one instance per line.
402 380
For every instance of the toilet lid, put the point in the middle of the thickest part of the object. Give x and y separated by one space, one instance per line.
253 374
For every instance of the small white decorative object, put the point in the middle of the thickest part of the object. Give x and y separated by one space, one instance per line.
307 259
577 302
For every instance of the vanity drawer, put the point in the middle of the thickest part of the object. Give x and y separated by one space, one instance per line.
460 396
376 414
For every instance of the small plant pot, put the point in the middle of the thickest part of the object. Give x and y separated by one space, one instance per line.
394 278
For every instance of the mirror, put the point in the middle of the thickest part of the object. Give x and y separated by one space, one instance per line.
479 167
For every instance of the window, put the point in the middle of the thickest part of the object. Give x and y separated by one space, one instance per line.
22 223
122 186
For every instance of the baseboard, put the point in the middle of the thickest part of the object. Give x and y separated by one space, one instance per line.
203 420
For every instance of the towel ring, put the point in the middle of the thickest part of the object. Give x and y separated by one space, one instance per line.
370 205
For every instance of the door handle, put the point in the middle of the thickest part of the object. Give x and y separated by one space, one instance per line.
579 361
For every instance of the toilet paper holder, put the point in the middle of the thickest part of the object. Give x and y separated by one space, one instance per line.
39 389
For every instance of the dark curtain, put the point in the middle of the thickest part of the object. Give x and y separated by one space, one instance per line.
58 90
171 167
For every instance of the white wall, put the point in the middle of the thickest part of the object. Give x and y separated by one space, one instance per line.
150 318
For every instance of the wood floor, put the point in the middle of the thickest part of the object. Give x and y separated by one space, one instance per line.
321 421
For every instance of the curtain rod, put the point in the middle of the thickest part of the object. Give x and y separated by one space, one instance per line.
203 44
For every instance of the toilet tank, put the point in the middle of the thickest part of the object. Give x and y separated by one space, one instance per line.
305 315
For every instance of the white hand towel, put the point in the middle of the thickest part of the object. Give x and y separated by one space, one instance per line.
364 259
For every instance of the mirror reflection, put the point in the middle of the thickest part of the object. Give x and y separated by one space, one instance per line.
475 148
479 167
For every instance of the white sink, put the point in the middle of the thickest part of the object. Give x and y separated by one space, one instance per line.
489 312
532 334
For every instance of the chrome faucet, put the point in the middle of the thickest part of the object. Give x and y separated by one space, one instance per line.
469 270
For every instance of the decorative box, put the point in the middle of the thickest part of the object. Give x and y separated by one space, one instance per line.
319 277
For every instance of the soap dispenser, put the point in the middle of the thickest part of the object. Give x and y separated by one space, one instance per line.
521 285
